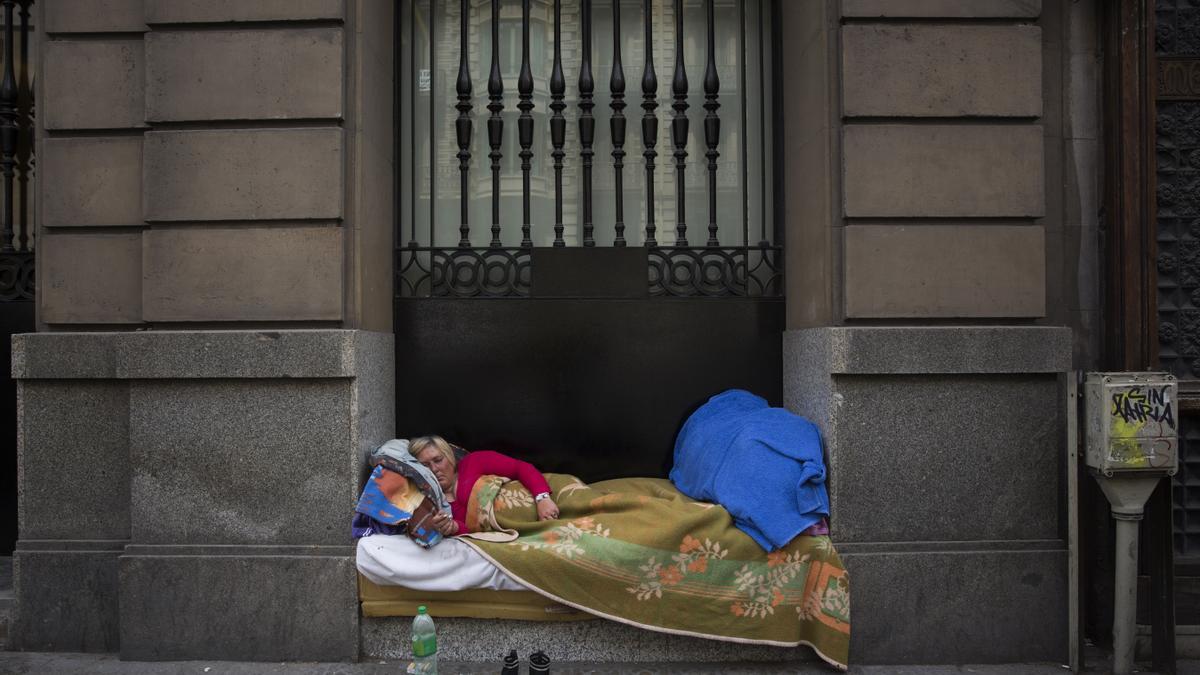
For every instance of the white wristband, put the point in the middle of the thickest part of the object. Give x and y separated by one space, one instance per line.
540 496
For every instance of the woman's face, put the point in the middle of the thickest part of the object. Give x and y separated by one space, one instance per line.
435 461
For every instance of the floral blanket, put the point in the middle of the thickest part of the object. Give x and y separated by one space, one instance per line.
636 550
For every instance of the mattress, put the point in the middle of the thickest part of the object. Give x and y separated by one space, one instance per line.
451 579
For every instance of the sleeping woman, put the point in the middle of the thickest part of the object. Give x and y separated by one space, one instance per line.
457 479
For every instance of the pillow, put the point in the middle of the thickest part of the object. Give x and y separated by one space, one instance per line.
397 494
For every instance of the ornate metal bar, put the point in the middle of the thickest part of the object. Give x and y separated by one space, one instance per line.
616 124
8 127
734 271
433 126
741 88
762 128
587 124
712 127
525 122
679 128
472 272
496 121
649 118
504 272
398 110
462 125
25 109
558 124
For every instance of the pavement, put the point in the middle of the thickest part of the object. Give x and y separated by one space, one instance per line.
103 664
46 663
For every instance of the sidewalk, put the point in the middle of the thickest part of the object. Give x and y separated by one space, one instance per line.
103 664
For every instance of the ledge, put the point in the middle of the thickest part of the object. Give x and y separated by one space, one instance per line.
233 354
239 550
946 547
915 350
71 545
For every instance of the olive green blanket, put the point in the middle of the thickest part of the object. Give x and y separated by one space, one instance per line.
636 550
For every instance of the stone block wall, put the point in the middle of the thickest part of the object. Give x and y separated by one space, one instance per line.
934 280
214 300
227 164
946 134
184 494
205 148
945 453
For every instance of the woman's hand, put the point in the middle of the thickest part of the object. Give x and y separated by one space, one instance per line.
547 509
445 524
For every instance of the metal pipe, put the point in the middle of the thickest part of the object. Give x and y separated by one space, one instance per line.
1125 600
1127 496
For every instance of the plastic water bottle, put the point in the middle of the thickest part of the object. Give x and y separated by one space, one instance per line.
424 644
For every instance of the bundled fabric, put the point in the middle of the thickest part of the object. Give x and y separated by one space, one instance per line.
399 496
636 550
762 464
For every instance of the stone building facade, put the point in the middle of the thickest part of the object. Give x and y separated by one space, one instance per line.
216 211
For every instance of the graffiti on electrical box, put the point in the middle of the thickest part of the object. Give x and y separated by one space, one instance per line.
1139 405
1142 427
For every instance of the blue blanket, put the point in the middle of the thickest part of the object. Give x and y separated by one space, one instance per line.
762 464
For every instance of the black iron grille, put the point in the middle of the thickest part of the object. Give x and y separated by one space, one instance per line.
726 261
16 156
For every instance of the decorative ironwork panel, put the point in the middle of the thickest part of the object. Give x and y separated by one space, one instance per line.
1177 147
564 188
487 272
1187 489
492 272
16 150
745 271
1177 27
16 276
1178 150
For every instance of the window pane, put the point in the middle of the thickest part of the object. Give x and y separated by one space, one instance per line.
743 167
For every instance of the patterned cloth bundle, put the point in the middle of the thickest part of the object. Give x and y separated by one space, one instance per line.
400 497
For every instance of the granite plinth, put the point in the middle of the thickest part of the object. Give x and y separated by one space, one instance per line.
946 458
73 440
959 606
199 354
884 350
271 607
201 446
65 595
372 394
945 454
241 461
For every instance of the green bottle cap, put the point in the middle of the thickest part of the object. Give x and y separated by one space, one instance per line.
422 610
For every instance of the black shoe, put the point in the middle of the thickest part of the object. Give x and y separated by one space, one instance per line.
512 664
539 663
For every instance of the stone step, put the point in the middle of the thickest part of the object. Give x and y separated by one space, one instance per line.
5 618
6 599
602 641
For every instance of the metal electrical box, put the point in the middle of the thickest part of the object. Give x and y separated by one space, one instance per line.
1132 423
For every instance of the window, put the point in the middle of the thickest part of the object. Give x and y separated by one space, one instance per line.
430 173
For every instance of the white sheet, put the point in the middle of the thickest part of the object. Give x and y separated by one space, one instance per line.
450 566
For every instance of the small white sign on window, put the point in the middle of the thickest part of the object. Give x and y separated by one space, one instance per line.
424 80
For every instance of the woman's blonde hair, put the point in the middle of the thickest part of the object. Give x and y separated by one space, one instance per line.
419 444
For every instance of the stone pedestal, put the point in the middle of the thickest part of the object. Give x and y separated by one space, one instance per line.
946 448
186 495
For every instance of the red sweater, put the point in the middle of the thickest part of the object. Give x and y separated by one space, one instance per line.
488 463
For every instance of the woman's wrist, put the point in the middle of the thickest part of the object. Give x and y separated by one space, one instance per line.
540 496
